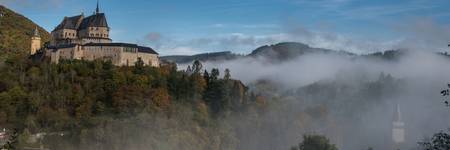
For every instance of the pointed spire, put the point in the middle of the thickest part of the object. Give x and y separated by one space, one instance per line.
36 32
398 116
98 9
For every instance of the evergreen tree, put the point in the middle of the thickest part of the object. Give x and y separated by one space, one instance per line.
439 141
315 142
227 75
214 74
206 76
197 67
138 66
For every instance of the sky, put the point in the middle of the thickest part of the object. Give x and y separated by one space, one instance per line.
187 27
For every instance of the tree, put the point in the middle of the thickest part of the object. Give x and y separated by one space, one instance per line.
214 74
439 141
197 67
315 142
206 76
188 69
160 99
138 66
227 75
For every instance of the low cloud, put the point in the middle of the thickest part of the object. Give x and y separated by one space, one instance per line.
339 78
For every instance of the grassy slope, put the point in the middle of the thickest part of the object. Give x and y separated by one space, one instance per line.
16 31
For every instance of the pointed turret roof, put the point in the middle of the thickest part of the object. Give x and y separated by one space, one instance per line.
36 32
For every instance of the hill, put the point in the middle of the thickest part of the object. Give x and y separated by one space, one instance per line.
216 56
16 30
288 50
276 53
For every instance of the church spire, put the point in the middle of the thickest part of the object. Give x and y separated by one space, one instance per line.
398 128
397 115
98 9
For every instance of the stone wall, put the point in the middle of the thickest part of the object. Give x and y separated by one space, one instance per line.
118 55
94 40
149 59
102 52
94 32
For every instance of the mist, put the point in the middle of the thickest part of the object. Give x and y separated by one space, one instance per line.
355 116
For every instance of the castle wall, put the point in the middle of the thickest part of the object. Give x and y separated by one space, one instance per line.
94 32
102 52
54 57
128 57
64 53
94 40
149 59
65 34
118 55
67 53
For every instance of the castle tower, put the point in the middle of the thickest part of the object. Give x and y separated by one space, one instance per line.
35 42
398 129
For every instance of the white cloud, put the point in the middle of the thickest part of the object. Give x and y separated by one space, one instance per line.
243 26
422 34
178 51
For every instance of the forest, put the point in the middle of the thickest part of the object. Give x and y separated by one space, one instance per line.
79 104
95 105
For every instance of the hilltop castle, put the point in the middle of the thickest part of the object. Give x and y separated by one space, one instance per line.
88 38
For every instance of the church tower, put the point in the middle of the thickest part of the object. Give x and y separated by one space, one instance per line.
35 42
398 129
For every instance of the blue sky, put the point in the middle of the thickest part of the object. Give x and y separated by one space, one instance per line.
196 26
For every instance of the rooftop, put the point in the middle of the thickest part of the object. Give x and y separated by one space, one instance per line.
141 49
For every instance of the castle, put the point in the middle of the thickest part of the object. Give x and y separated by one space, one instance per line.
88 38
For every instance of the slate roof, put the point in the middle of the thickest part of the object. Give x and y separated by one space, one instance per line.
70 23
96 20
79 22
141 49
55 48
